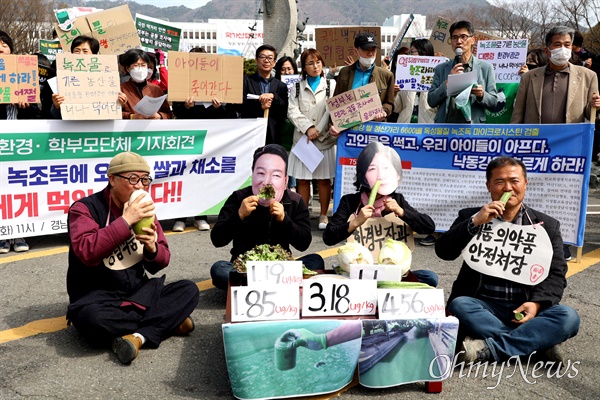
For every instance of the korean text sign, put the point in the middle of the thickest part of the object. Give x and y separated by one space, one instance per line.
354 107
19 79
157 34
506 56
204 76
90 86
337 44
415 73
444 166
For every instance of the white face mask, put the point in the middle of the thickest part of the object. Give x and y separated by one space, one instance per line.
150 73
366 62
560 56
139 74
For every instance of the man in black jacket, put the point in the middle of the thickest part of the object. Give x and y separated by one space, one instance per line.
248 220
507 292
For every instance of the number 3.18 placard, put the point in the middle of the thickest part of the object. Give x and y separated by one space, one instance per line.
341 297
264 302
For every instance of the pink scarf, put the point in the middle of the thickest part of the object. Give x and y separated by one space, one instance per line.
379 203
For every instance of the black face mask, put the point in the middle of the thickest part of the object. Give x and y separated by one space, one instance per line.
532 66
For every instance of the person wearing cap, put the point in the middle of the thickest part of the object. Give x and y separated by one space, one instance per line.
111 297
249 221
14 111
483 95
364 71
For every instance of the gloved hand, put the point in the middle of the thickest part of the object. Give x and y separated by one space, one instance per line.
160 56
304 337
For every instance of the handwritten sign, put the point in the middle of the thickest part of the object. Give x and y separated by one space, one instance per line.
19 80
415 73
378 272
410 303
337 44
442 43
506 56
264 302
114 28
354 107
518 253
373 233
290 81
342 297
275 272
90 86
205 76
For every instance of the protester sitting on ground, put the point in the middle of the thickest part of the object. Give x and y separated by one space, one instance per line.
377 162
190 109
248 220
111 297
136 63
308 112
485 303
14 111
80 45
287 66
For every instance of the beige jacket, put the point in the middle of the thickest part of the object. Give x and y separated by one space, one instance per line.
404 104
310 109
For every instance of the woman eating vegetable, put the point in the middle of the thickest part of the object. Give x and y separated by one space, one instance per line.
378 167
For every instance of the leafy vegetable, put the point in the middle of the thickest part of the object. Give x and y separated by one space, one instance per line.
353 253
262 252
267 192
306 271
396 253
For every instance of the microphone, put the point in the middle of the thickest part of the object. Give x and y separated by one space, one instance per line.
458 58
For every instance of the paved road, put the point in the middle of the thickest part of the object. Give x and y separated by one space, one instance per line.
40 358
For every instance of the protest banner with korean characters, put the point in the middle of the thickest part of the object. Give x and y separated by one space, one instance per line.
50 48
19 81
415 73
375 231
337 44
204 76
354 107
443 166
290 81
90 85
157 34
325 295
518 253
442 42
46 165
237 37
411 303
264 301
506 56
288 273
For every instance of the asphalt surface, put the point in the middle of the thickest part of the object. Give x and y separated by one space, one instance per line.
40 358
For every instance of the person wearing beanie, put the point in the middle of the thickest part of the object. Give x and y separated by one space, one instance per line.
111 297
250 220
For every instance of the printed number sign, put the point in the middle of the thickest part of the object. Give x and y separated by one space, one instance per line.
341 297
264 302
410 303
275 272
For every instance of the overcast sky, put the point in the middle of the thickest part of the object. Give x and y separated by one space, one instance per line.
168 3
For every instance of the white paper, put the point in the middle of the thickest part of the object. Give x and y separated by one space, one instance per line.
308 154
251 96
206 104
53 84
149 106
459 82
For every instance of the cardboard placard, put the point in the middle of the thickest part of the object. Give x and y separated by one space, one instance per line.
336 44
506 56
442 43
114 28
19 80
204 76
90 86
373 233
354 107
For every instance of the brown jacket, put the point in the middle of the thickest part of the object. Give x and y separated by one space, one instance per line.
132 91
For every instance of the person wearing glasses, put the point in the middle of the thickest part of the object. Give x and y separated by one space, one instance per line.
265 95
483 93
111 297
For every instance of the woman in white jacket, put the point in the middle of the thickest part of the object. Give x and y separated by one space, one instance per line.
307 110
405 101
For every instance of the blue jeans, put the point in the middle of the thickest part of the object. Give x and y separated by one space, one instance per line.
220 270
490 320
426 276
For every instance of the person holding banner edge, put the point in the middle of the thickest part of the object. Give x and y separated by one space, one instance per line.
487 305
483 95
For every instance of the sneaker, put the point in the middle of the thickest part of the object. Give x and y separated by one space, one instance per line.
567 253
429 240
126 348
186 327
202 225
4 246
178 226
19 245
474 350
323 221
